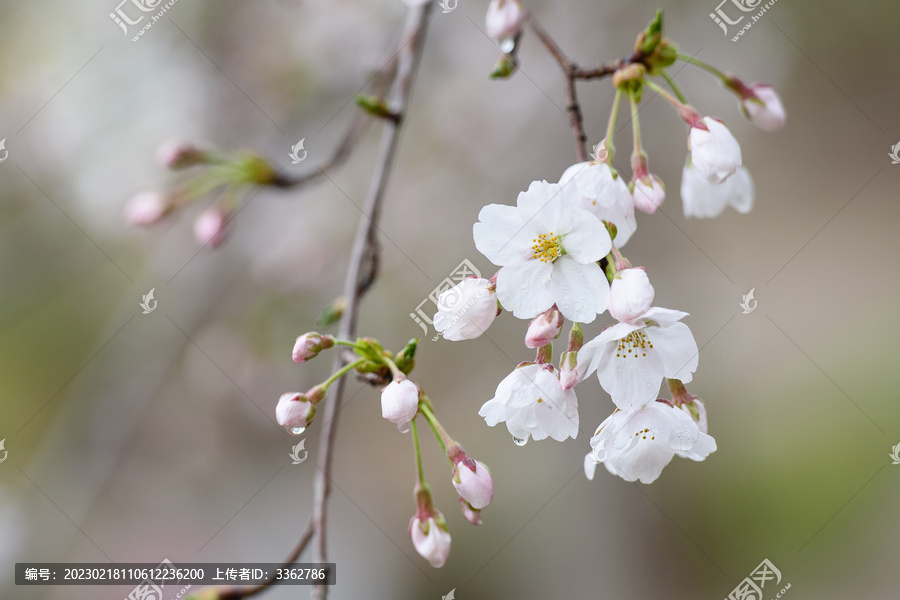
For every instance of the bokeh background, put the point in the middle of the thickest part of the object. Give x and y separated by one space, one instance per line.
134 437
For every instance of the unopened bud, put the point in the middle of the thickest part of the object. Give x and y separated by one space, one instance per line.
179 155
294 412
308 346
544 328
148 208
210 226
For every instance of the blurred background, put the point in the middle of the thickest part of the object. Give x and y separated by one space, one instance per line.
133 438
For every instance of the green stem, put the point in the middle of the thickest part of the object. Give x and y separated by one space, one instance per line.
662 92
346 343
341 372
420 472
674 87
635 124
611 128
395 370
705 66
439 431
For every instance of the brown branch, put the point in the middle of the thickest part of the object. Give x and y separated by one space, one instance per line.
572 72
364 262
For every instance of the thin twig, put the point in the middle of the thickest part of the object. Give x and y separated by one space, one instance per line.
364 263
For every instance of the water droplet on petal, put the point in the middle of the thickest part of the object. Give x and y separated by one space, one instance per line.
507 45
297 430
403 427
519 441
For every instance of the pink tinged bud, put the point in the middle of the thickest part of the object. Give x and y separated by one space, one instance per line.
764 108
504 20
630 295
472 515
309 345
400 403
649 194
179 155
209 227
568 373
294 412
714 152
472 480
544 329
432 541
147 208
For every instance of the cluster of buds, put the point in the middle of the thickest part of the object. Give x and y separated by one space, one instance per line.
402 402
229 172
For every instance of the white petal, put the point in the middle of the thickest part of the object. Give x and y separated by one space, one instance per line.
630 381
501 235
525 288
677 350
587 241
581 292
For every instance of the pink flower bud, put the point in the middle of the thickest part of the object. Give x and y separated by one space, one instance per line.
147 208
764 108
294 412
209 227
431 540
179 155
544 329
504 19
714 151
309 345
472 515
472 480
649 194
568 371
630 295
400 403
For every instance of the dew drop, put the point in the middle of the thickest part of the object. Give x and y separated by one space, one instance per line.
519 441
403 427
297 430
507 45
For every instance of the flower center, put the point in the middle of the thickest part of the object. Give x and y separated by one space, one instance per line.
546 247
634 344
644 433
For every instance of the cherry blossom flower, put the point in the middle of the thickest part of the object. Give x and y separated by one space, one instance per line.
701 199
548 250
631 358
431 540
466 310
714 152
294 412
649 194
636 444
309 345
147 208
532 403
400 403
504 21
209 227
602 193
763 107
544 329
472 480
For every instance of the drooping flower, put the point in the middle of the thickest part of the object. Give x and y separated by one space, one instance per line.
632 358
594 187
544 329
179 155
701 199
148 208
630 295
294 412
504 21
636 444
714 152
470 514
763 107
548 250
466 310
210 226
531 402
431 540
400 403
472 480
648 194
308 346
